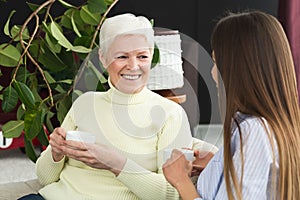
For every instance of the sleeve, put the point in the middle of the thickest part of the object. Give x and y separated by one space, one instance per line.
47 170
258 157
149 185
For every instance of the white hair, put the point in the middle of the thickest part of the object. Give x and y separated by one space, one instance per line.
125 24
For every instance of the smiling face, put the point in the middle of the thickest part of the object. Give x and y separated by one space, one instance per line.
128 62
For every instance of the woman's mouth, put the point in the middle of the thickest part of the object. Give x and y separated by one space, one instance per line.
130 77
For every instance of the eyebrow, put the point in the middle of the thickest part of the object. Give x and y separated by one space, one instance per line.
125 52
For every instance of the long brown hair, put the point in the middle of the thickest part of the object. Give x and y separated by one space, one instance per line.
254 60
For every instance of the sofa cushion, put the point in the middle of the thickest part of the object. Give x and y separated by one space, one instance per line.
15 190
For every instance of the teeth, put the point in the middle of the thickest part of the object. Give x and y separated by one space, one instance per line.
130 77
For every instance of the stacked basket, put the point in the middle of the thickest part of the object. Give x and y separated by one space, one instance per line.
168 73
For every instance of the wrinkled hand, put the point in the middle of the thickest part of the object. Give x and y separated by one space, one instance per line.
95 155
57 138
200 162
177 169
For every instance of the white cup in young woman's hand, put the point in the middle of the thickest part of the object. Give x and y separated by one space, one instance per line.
189 154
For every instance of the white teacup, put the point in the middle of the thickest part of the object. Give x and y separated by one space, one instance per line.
81 136
189 154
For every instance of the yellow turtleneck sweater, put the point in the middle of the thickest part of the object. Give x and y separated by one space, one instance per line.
140 126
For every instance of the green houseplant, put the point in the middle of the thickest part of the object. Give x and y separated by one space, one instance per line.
45 61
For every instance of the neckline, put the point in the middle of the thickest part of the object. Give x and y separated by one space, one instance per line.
118 97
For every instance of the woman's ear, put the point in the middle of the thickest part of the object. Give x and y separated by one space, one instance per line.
102 59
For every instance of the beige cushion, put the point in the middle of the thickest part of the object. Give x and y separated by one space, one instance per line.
10 191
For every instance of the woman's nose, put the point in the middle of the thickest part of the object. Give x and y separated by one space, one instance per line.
132 64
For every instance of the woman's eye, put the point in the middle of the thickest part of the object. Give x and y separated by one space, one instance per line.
142 56
122 57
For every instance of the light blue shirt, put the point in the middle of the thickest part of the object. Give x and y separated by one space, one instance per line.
258 159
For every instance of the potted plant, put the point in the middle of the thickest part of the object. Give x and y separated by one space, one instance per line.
45 61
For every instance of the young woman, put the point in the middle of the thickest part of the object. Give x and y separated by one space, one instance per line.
132 125
260 158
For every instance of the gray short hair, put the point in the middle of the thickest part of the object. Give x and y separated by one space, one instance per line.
125 24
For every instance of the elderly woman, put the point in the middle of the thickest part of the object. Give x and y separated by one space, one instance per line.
132 125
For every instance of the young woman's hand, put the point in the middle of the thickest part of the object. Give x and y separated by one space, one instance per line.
177 168
200 162
177 171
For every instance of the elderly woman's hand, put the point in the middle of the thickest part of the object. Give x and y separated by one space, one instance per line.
57 138
95 155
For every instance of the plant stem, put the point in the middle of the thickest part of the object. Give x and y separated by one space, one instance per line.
34 14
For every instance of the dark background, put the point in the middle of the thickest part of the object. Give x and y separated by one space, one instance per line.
194 18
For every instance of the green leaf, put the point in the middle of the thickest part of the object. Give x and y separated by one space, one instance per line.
83 41
43 138
15 31
100 87
74 25
22 74
88 17
6 27
10 99
35 49
65 4
109 2
48 122
49 78
156 56
47 28
66 81
63 41
152 22
29 149
80 49
76 94
81 25
50 59
1 73
33 123
51 41
97 6
33 7
34 87
13 129
59 36
10 56
20 113
51 81
66 19
62 108
25 94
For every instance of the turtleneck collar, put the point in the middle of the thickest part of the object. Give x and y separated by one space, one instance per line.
118 97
